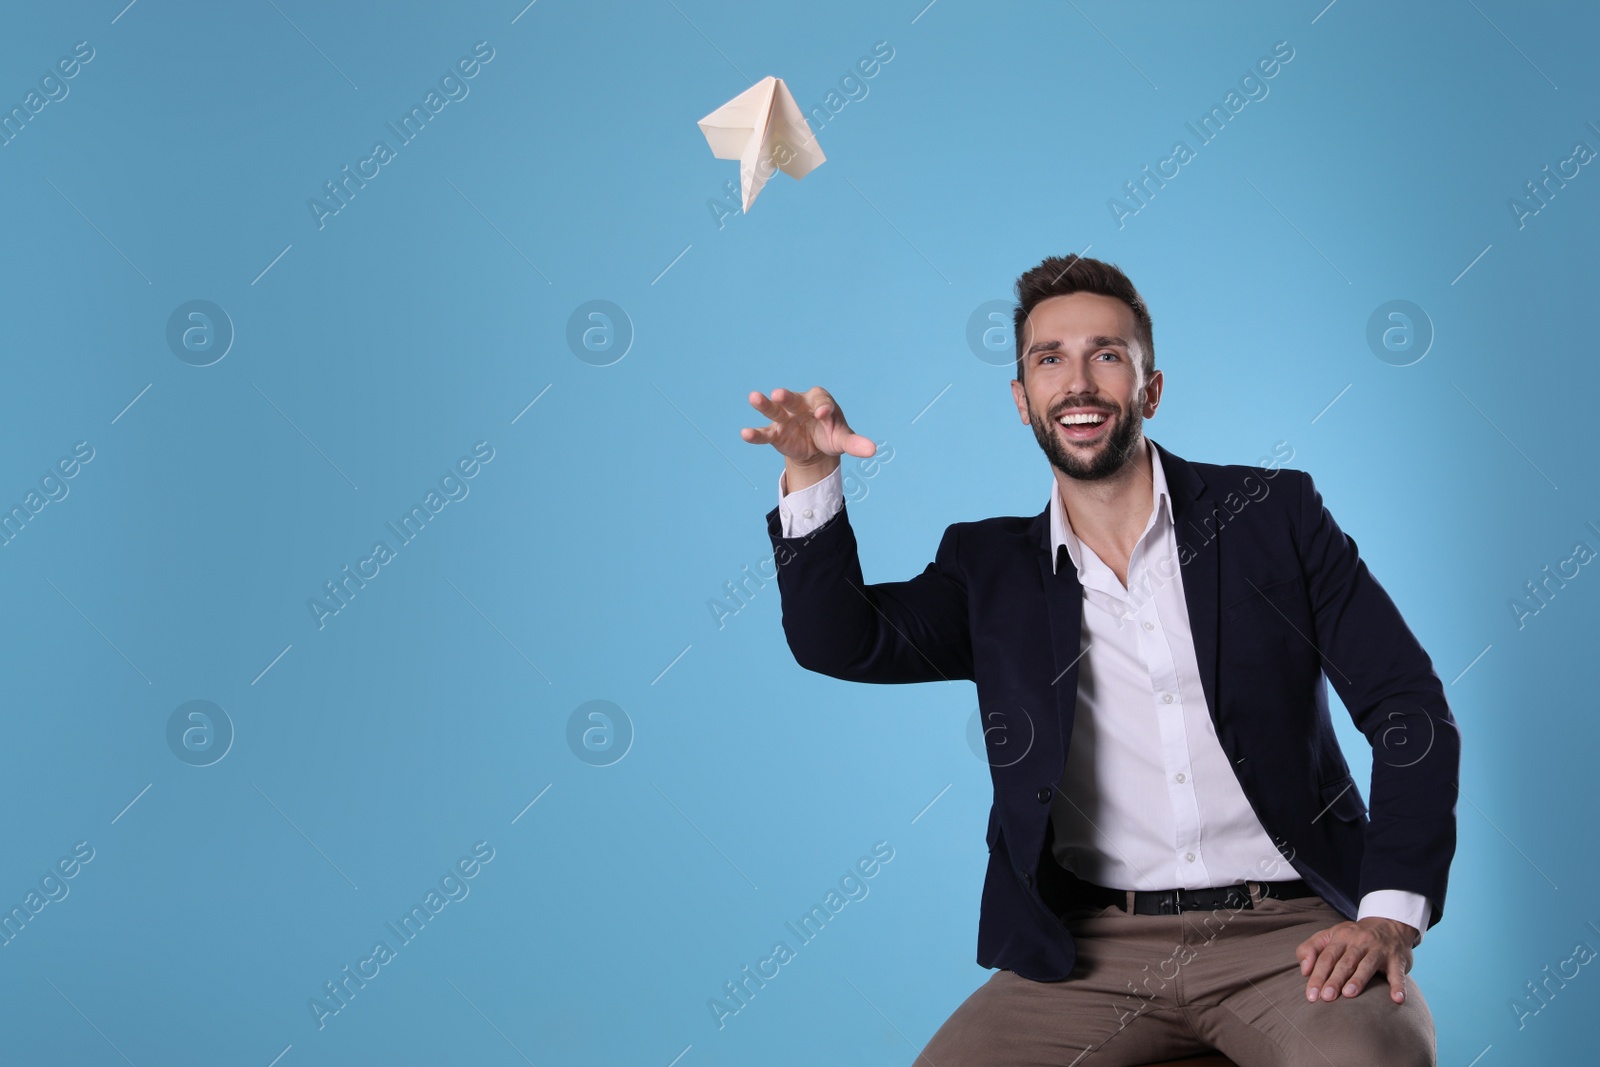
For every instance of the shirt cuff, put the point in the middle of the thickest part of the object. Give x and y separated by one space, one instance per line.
1401 905
804 510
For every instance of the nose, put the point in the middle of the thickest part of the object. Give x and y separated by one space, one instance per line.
1078 382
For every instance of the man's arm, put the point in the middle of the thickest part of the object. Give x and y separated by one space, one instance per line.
838 625
1387 682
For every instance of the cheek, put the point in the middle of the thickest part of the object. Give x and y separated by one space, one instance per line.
1121 383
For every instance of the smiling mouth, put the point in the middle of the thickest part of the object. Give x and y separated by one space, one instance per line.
1083 425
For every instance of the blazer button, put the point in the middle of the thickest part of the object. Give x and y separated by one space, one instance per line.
1027 880
1044 794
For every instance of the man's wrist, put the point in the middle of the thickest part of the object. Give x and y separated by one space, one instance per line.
1407 908
797 476
805 510
1410 933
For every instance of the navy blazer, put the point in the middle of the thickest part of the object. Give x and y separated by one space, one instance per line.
1278 600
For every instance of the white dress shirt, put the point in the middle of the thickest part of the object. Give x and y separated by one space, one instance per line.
1147 799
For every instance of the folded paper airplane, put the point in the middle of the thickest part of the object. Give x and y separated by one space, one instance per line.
763 129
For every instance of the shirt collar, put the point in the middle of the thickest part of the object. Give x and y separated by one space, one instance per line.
1061 530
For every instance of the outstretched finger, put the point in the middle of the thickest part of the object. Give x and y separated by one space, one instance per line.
763 404
758 435
859 446
841 439
792 402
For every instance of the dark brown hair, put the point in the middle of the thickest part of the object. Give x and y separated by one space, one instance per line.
1059 275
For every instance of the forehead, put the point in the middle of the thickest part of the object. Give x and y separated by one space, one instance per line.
1075 316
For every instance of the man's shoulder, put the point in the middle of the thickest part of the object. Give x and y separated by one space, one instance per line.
1180 470
1219 477
998 541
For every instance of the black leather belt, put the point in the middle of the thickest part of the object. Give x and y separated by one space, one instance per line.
1173 901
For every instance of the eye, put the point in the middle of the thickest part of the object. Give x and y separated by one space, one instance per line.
1107 352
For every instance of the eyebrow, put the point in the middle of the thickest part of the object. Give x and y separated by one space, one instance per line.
1094 342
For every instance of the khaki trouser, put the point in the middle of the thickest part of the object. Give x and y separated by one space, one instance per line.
1154 987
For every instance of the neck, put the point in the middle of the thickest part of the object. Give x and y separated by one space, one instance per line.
1113 509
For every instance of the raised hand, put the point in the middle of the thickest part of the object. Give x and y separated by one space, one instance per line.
810 432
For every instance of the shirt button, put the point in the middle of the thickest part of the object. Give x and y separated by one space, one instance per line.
1044 794
1180 776
1189 856
806 513
1149 626
1166 698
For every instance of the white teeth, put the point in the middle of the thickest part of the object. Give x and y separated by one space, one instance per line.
1084 419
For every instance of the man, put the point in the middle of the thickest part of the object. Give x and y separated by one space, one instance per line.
1179 856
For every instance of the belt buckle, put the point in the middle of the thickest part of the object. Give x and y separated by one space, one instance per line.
1177 901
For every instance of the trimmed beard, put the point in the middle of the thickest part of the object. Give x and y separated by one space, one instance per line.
1112 456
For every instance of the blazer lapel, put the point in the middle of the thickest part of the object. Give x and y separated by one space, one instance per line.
1063 597
1197 563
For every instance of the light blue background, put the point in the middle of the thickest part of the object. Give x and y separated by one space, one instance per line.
425 316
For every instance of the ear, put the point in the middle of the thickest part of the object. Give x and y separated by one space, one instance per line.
1152 394
1019 396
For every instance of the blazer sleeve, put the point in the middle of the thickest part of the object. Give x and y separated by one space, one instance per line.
836 624
1388 684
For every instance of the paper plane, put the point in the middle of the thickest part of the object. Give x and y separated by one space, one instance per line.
764 130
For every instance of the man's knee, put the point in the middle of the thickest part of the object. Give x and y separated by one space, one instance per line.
1396 1035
